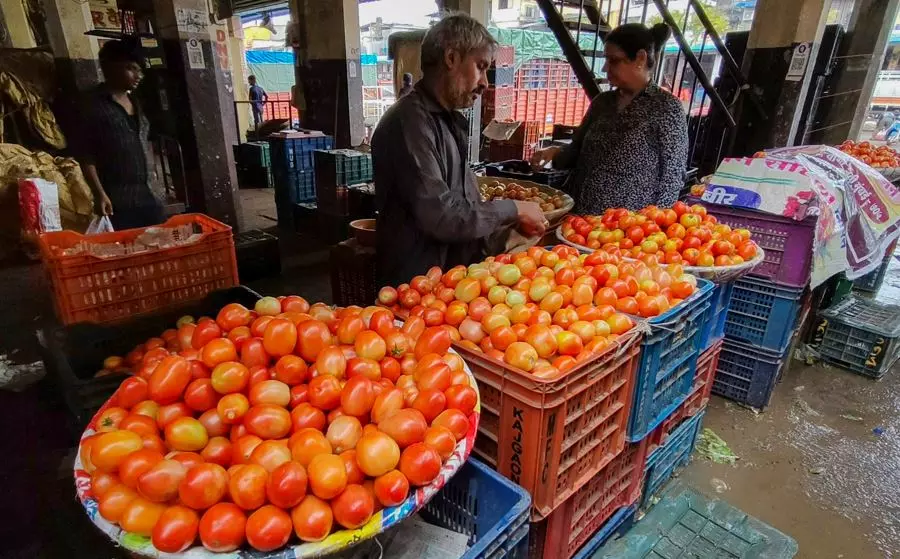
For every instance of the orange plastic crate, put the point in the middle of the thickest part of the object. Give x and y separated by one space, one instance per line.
89 288
576 521
696 401
553 436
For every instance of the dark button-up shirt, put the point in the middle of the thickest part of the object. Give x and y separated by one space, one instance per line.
117 144
430 212
630 158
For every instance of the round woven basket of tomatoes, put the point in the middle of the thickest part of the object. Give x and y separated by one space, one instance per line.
285 430
683 234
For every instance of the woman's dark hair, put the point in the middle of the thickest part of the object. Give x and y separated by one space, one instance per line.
633 37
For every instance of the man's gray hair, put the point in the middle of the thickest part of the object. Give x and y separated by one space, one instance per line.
459 32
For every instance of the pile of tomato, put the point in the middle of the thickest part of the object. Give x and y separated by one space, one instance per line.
681 234
540 311
283 422
880 157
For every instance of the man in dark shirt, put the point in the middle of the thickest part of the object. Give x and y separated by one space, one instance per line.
258 98
113 148
430 212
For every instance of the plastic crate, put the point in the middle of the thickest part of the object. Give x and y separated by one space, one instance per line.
695 402
671 455
861 335
614 488
747 373
685 524
73 354
521 170
255 177
342 167
297 154
502 76
871 282
354 274
503 151
714 325
553 436
88 288
504 55
258 255
485 506
787 242
295 187
668 362
763 313
617 525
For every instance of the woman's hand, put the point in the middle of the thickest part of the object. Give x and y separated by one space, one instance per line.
543 156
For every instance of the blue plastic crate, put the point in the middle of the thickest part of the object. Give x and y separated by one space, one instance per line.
292 154
673 454
484 505
618 524
763 313
747 373
668 362
502 76
295 187
714 325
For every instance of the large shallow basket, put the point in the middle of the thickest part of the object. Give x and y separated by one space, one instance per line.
554 216
381 521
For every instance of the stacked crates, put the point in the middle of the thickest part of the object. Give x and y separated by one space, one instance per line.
293 170
254 165
498 100
521 144
335 170
765 305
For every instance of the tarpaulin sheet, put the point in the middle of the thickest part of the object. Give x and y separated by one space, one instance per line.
531 45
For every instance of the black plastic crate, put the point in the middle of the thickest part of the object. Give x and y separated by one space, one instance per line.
252 154
748 373
73 354
860 335
255 177
354 274
258 255
521 170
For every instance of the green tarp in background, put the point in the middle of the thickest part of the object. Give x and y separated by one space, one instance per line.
537 44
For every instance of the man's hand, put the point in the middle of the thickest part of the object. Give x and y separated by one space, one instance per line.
531 219
104 205
543 156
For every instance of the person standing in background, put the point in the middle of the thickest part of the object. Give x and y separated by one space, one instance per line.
258 98
113 148
407 85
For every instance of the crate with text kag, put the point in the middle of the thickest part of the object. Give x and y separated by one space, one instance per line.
763 313
115 276
861 335
674 453
668 362
615 487
552 436
788 243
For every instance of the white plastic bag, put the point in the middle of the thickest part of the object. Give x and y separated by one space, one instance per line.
100 224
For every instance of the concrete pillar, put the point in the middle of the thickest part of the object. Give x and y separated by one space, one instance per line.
14 29
842 109
199 102
238 74
783 33
328 71
75 52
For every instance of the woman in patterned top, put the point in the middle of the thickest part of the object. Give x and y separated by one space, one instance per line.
631 148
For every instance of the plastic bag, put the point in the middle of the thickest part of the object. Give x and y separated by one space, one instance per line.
38 211
100 224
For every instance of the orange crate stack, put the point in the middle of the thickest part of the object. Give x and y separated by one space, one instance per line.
576 521
553 436
89 288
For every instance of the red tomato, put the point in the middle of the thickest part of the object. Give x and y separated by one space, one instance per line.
169 379
270 392
270 455
253 353
349 327
306 444
353 507
454 420
108 450
294 303
312 337
406 427
132 391
218 351
331 361
386 404
440 439
357 396
354 474
200 395
247 486
306 415
101 483
268 421
243 447
370 345
359 366
218 451
391 489
160 482
230 377
176 529
114 503
222 527
462 398
203 486
433 340
280 337
233 315
136 464
325 392
299 394
430 402
268 528
420 464
110 419
382 322
140 516
327 476
432 373
232 408
286 485
312 519
377 453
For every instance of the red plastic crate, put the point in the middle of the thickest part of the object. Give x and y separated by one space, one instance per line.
504 151
504 55
497 103
88 288
571 525
553 436
696 401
